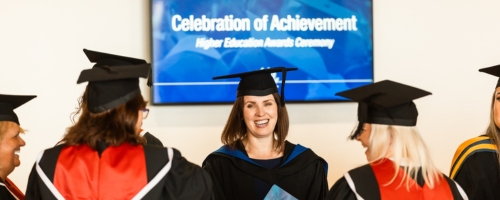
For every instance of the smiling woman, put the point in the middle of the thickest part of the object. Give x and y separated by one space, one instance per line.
10 144
260 114
476 164
254 141
257 118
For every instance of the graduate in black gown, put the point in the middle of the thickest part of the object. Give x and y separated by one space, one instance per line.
475 165
10 144
103 156
256 161
399 163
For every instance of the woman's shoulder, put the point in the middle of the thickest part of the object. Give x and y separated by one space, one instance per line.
481 144
294 150
482 139
476 144
165 153
169 163
296 154
50 154
224 154
292 146
474 148
363 170
158 157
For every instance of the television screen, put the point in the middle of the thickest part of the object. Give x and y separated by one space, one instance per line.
329 41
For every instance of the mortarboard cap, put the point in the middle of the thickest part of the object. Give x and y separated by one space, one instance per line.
494 70
95 56
10 102
260 82
113 80
385 102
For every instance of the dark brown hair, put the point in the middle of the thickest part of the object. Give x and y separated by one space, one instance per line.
113 127
236 128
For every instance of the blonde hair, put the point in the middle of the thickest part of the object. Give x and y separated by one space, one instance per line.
407 149
492 131
5 125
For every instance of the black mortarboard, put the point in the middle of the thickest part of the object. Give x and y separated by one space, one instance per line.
113 80
385 102
95 56
494 70
10 102
260 82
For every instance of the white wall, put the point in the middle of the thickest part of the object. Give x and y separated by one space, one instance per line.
433 45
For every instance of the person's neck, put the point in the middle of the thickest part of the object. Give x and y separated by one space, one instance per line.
3 177
261 148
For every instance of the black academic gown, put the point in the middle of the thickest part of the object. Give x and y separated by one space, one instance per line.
479 175
184 180
367 187
5 194
301 174
152 140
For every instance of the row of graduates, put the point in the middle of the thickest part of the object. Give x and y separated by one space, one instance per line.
106 155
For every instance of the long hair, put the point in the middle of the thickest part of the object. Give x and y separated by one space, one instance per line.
408 150
492 131
236 128
113 127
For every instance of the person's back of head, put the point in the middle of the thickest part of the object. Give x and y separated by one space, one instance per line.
110 106
388 108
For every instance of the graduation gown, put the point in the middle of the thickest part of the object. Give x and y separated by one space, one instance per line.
369 182
152 140
9 191
475 168
74 172
300 175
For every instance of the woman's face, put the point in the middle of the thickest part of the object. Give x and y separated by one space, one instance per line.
496 107
10 146
364 138
260 114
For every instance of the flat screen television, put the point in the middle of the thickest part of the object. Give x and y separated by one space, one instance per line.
329 41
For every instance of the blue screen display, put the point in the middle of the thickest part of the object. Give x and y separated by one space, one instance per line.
329 41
